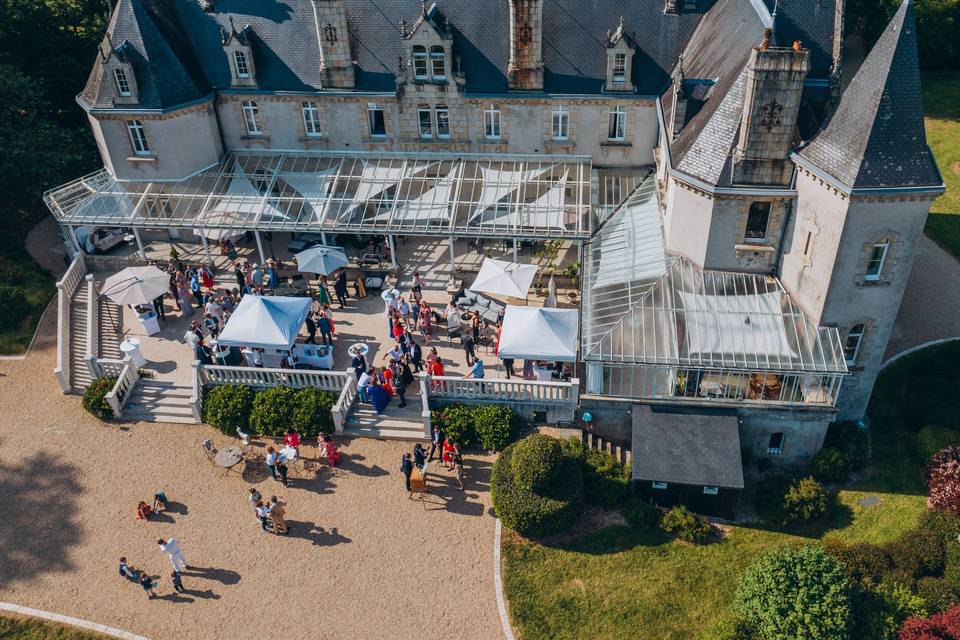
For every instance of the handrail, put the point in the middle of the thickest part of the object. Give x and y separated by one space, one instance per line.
262 377
110 367
503 390
66 287
120 393
93 319
345 401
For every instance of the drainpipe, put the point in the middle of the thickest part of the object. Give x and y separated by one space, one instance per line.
216 117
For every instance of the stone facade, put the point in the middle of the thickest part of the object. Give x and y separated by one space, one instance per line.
525 69
336 63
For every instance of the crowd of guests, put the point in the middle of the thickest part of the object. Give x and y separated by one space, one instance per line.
448 453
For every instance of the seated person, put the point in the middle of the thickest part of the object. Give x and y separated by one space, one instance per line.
144 511
159 501
292 439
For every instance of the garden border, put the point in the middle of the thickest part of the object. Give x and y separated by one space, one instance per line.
932 343
498 583
69 620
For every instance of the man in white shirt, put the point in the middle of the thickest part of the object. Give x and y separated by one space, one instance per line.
192 340
362 383
214 310
171 547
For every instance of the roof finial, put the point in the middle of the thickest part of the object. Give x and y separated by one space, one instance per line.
403 27
423 7
620 27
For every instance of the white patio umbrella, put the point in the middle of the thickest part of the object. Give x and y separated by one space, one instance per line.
136 285
498 277
551 294
321 259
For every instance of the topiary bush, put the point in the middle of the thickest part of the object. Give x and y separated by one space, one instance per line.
606 482
936 592
943 479
805 500
12 303
95 398
558 497
830 465
939 626
227 407
312 415
640 515
273 411
796 592
686 525
496 426
865 564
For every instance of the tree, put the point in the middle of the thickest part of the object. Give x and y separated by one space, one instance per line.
943 479
796 593
938 27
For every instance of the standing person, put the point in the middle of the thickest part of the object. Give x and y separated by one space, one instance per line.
272 458
436 369
475 325
340 288
404 310
406 468
147 583
177 580
172 548
238 274
263 515
476 371
399 387
196 289
325 326
417 283
292 439
458 467
359 364
311 329
508 367
255 497
424 322
436 444
468 342
158 307
362 383
323 294
416 356
419 456
282 470
277 513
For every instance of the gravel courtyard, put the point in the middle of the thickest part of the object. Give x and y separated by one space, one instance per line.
361 560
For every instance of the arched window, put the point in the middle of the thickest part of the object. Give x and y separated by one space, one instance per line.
438 62
420 62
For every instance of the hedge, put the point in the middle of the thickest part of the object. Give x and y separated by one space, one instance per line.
270 411
313 414
273 410
556 502
606 482
493 427
95 398
227 408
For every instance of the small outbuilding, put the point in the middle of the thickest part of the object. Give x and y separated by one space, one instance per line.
689 458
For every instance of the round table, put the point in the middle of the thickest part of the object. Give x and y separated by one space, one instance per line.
288 453
359 348
131 347
228 456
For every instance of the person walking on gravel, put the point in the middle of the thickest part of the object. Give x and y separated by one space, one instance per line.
172 548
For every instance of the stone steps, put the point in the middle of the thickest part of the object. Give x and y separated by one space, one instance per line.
394 424
159 401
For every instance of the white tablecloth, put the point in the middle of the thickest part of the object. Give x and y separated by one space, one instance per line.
310 354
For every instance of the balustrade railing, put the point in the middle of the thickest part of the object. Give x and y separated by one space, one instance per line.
110 368
502 390
66 287
93 325
257 377
345 402
124 385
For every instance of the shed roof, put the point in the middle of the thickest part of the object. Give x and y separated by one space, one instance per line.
684 447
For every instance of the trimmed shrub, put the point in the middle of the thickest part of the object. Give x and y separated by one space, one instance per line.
456 420
273 411
13 301
936 592
606 482
865 564
536 461
944 626
641 515
781 589
496 426
553 506
804 500
227 407
830 465
951 564
851 440
312 415
879 614
943 479
933 438
686 525
730 628
95 398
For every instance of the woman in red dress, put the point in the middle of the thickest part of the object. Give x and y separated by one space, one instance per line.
449 448
387 380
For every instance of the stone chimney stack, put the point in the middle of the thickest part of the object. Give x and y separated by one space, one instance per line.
771 104
670 6
336 63
525 70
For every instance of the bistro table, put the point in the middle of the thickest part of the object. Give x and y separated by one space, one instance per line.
131 347
228 456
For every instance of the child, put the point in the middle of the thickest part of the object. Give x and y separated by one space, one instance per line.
458 465
143 511
177 581
147 583
159 501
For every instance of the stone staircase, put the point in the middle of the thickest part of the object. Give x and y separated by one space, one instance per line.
111 328
159 401
394 424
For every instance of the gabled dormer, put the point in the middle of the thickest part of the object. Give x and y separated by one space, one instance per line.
428 47
620 47
118 71
238 47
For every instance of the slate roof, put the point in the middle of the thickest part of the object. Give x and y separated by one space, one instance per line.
876 137
697 448
182 56
810 22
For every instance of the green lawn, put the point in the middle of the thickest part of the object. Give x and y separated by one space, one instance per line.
941 97
616 583
18 269
28 629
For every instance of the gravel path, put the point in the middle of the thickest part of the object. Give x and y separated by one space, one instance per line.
361 561
931 302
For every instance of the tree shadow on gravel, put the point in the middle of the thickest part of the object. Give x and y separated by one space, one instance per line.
39 521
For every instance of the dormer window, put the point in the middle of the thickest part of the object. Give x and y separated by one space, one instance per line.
438 62
123 86
420 63
240 62
619 67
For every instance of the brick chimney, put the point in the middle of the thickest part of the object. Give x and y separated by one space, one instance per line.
771 104
336 63
525 70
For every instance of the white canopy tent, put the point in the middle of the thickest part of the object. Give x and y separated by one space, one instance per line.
537 333
266 322
498 277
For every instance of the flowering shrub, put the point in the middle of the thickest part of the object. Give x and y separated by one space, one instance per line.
943 479
940 626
